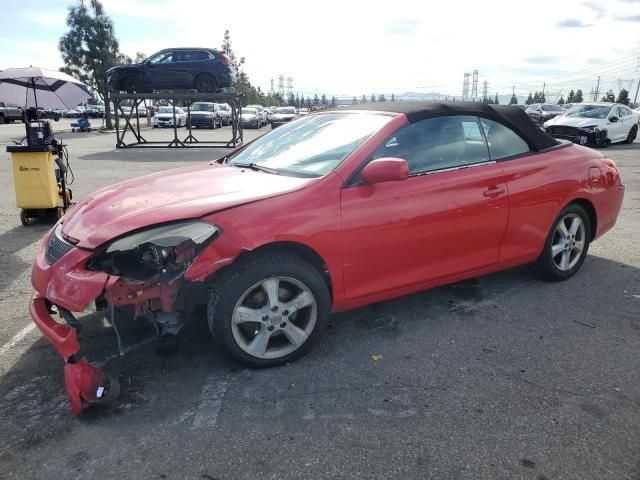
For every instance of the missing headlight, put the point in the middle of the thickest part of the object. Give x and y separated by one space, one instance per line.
164 251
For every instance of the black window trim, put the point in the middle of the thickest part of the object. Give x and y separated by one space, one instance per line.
354 179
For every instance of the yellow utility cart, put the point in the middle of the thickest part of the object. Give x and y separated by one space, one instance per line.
40 187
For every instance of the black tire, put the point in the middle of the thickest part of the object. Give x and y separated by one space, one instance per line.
633 133
132 84
232 284
545 267
24 217
206 83
2 120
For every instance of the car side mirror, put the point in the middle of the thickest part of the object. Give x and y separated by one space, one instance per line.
613 119
388 169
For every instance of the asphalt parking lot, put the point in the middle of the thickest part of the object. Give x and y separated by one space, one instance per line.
499 377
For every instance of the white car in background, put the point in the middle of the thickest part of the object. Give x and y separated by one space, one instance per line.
164 117
596 124
261 113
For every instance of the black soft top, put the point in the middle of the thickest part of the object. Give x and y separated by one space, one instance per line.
511 117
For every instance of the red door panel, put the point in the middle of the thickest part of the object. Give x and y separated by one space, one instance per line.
426 227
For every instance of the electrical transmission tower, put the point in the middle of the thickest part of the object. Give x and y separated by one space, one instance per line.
272 90
289 86
485 89
465 86
281 85
474 86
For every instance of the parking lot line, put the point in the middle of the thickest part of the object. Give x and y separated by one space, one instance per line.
16 338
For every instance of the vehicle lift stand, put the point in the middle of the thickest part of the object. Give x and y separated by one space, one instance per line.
175 99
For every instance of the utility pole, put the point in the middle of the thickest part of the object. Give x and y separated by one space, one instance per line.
474 86
544 85
595 94
465 86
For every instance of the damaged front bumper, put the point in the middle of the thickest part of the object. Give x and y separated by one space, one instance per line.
63 285
581 136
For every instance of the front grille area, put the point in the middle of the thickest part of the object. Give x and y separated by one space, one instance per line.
56 247
564 131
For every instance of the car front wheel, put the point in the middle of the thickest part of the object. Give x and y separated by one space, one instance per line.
566 246
268 310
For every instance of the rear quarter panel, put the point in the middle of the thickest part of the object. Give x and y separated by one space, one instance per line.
541 185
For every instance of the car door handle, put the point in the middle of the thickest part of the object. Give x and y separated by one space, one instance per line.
494 192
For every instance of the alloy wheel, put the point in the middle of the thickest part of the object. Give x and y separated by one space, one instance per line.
568 242
274 317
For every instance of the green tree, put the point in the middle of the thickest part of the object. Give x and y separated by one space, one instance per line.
513 100
140 57
308 104
333 101
561 100
382 98
316 100
529 100
90 48
393 97
302 102
363 99
571 97
577 97
609 97
242 84
623 97
323 99
373 98
291 100
496 101
354 101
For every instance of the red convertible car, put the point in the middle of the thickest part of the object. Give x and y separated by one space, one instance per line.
329 212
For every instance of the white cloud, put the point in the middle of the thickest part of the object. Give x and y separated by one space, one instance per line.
350 48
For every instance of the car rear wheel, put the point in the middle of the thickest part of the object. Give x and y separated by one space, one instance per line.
270 310
566 246
205 83
633 133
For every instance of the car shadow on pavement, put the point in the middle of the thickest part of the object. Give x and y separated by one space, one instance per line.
416 339
14 240
180 155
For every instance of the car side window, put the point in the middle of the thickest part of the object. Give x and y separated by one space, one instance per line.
166 57
438 143
503 142
625 111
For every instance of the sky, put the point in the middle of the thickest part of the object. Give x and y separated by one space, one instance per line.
347 48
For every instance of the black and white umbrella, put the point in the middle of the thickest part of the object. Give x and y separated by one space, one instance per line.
39 87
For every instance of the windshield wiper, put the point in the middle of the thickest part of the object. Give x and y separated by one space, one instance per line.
255 166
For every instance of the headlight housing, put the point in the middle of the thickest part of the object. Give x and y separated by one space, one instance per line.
164 251
590 128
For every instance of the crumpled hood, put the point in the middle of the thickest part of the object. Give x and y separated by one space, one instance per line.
575 121
167 196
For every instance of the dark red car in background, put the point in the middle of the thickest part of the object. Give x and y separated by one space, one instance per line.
329 212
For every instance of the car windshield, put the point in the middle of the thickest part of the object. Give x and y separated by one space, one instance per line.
166 110
552 108
249 111
588 111
312 146
286 110
202 107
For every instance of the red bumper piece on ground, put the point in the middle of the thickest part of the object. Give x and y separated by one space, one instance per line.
85 383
